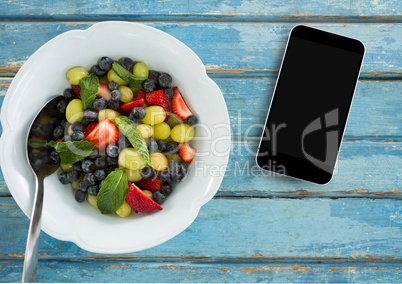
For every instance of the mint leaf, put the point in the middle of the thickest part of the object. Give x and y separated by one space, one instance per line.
135 81
113 191
71 152
134 136
89 88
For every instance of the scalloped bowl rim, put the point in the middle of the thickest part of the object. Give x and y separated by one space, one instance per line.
18 111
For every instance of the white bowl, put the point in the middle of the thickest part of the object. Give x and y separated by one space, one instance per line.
44 75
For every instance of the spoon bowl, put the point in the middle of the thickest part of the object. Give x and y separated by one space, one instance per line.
42 165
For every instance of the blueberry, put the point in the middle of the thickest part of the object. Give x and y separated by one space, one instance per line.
105 63
113 104
64 123
61 106
80 196
191 120
158 197
164 80
88 166
171 147
175 173
69 94
66 138
109 169
137 113
93 190
153 75
54 157
112 150
97 71
149 85
164 175
166 189
73 176
111 161
168 92
89 179
99 103
113 86
77 166
116 95
82 185
94 154
86 122
63 178
77 136
77 126
90 115
58 132
152 146
127 63
123 143
100 174
184 168
147 172
100 163
161 145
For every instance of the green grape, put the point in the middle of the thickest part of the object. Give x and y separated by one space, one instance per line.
93 200
141 70
158 161
161 131
145 130
129 158
124 210
154 115
75 74
112 76
174 157
173 120
74 111
127 94
67 167
133 175
182 133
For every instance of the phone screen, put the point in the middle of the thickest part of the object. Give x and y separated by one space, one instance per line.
310 106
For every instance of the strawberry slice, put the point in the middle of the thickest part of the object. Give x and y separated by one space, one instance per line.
128 107
158 98
104 92
179 106
141 94
89 128
149 184
76 90
139 201
103 134
186 152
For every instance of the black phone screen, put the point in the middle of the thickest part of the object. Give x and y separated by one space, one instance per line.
310 106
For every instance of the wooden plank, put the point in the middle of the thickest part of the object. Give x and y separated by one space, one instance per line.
375 110
222 46
237 228
163 271
233 9
364 169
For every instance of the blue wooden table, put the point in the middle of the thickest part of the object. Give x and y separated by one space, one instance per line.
258 228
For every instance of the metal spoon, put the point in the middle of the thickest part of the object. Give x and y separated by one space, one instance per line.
38 155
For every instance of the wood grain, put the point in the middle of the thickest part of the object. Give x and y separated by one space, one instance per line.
244 46
251 229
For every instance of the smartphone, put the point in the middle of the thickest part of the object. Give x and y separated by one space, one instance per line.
310 106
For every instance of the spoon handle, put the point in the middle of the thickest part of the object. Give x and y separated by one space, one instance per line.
31 250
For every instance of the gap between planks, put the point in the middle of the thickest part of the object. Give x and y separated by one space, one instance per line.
257 258
210 18
8 72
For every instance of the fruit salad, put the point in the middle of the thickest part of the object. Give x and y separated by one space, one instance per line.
125 141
